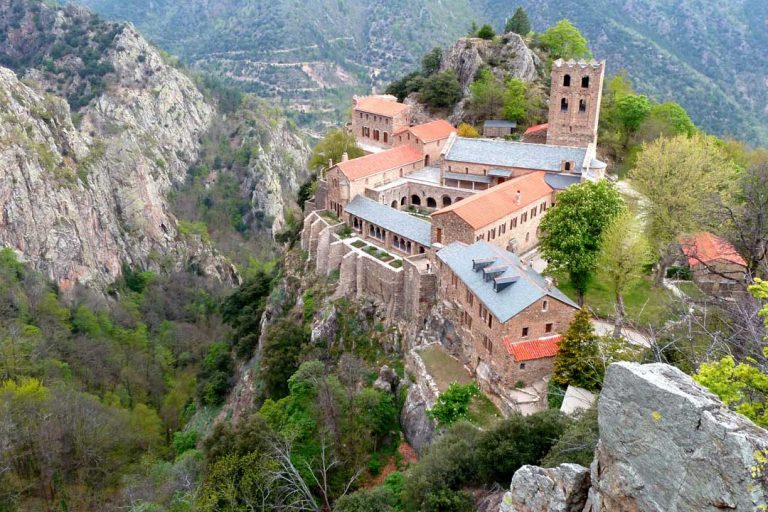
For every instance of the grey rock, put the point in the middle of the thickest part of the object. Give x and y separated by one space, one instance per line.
418 428
387 381
535 489
667 444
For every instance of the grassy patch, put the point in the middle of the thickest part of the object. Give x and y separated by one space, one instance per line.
443 368
329 215
396 264
645 303
691 290
359 244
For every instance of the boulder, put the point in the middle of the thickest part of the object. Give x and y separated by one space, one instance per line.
387 381
667 444
535 489
418 428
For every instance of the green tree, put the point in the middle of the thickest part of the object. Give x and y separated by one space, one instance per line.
632 110
678 177
473 28
515 100
280 356
441 90
486 32
572 229
577 444
335 143
519 23
564 41
577 362
453 404
741 386
669 119
410 83
623 254
378 499
516 441
430 63
487 96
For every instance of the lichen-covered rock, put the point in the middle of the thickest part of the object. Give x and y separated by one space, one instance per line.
388 381
509 58
535 489
417 427
667 444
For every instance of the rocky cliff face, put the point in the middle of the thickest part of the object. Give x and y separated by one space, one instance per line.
86 179
666 444
508 58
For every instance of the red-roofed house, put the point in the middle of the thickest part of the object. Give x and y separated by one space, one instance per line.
714 262
534 359
536 134
350 178
429 138
375 119
507 215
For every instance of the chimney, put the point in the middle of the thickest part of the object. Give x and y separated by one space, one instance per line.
344 156
518 196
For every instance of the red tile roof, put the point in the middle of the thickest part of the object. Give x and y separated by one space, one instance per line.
534 349
707 248
375 163
489 206
537 128
435 130
380 106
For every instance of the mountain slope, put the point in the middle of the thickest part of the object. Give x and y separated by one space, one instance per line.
705 54
85 190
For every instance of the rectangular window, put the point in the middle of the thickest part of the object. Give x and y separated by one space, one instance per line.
513 223
470 298
490 321
525 332
522 366
548 328
487 344
523 217
545 305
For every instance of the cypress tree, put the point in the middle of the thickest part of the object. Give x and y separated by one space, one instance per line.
577 362
519 23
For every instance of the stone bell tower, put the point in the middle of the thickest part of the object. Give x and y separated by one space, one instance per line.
574 102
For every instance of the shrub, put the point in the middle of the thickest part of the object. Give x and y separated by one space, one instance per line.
378 499
555 395
516 441
467 130
453 404
184 441
577 444
441 90
486 32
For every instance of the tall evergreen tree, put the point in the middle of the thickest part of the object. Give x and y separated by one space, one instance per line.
577 362
519 23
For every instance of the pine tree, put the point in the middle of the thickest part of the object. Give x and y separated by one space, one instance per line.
577 362
519 23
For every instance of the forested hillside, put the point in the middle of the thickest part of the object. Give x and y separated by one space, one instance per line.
703 54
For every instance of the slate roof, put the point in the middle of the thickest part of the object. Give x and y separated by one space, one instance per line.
527 287
467 177
488 206
368 165
501 153
499 123
561 181
533 349
399 223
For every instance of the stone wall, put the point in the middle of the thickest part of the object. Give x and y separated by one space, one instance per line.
384 124
419 194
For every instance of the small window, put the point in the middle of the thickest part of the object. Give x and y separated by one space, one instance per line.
564 105
582 105
490 321
548 328
567 81
567 166
522 366
545 305
525 332
585 82
527 236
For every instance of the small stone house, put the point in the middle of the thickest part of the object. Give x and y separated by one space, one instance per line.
536 134
498 128
507 215
715 264
508 316
375 119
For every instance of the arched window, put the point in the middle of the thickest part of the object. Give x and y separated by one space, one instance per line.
567 166
394 204
431 203
415 200
582 105
403 200
585 82
564 105
446 201
567 81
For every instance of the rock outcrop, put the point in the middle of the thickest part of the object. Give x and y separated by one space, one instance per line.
666 444
534 489
510 58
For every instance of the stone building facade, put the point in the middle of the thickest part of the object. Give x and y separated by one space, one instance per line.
499 303
574 102
375 119
429 139
507 215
